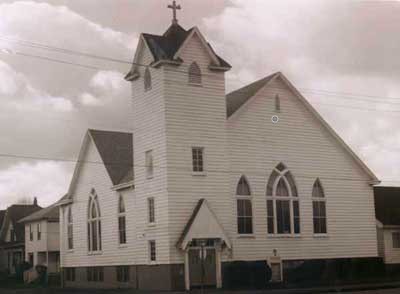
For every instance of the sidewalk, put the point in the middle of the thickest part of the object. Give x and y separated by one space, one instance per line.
328 289
325 289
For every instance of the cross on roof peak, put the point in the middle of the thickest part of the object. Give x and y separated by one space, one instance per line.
174 8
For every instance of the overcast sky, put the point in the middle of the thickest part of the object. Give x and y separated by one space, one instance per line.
342 55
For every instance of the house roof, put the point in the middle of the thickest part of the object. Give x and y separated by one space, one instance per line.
236 99
116 151
50 213
13 214
387 205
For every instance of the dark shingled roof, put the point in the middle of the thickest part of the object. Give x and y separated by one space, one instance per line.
50 213
2 214
387 205
165 47
15 213
236 99
116 151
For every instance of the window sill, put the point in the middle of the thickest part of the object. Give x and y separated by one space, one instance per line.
246 236
149 177
284 236
153 263
199 174
151 225
122 246
321 236
195 84
70 250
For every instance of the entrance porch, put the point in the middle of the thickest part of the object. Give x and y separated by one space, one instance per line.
202 242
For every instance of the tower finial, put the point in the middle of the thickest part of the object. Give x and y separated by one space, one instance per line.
174 8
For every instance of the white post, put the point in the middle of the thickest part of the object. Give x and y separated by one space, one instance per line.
187 278
218 265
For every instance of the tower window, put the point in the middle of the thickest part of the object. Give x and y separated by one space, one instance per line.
195 76
152 250
198 159
149 164
147 79
151 210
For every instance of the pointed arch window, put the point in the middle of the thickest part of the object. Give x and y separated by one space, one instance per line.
70 230
277 103
283 213
147 79
94 223
244 207
121 220
319 208
195 76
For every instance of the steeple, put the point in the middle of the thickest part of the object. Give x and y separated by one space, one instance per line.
174 8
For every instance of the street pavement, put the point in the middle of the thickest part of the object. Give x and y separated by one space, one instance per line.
283 291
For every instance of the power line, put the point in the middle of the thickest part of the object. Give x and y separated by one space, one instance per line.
260 172
205 86
83 54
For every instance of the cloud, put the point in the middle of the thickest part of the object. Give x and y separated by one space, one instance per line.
18 94
51 105
334 46
47 181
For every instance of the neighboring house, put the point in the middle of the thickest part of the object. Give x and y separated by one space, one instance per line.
12 236
387 209
256 175
42 238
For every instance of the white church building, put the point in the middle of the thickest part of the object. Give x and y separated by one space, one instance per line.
210 179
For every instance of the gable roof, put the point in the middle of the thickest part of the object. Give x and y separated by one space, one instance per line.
202 224
167 46
13 214
50 213
116 151
238 98
387 205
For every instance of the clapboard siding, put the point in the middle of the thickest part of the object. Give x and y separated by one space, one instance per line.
195 117
149 134
94 175
301 142
175 116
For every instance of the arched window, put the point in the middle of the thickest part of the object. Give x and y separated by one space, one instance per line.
121 220
195 76
283 213
94 223
319 208
244 207
277 103
70 229
147 79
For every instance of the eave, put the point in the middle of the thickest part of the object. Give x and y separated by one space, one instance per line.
123 186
